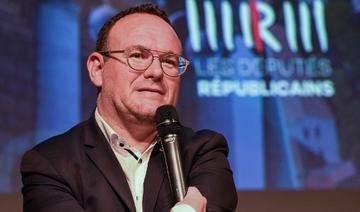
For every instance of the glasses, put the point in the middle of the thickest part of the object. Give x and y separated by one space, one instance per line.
139 59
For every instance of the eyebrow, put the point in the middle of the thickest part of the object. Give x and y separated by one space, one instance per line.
165 52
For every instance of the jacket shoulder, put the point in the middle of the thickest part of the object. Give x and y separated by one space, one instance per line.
60 152
203 139
62 141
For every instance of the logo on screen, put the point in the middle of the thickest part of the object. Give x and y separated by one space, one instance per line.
258 49
301 23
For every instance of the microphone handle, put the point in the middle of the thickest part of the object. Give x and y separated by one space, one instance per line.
174 166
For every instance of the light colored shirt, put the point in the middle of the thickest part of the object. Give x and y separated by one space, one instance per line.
134 164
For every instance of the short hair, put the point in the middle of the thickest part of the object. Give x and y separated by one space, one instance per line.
103 34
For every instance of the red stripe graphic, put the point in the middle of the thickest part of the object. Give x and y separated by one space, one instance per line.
259 46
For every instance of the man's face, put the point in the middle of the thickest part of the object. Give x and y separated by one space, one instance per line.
139 93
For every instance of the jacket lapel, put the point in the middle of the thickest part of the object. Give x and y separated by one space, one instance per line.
99 151
155 176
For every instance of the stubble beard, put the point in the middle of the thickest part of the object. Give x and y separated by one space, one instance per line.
138 114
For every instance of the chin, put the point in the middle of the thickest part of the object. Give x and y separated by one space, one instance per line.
145 111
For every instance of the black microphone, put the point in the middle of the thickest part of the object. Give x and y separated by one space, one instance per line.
168 127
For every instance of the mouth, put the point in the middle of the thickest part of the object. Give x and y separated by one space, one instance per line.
152 90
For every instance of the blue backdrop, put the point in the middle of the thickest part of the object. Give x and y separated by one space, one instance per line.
279 79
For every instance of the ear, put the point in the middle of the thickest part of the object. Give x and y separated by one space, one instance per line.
95 66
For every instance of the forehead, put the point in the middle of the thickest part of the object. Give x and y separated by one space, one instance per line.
145 30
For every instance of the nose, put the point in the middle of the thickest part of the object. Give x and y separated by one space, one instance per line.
154 71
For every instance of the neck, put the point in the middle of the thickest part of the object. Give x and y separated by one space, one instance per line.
138 133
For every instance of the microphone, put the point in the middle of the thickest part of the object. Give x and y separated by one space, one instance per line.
168 127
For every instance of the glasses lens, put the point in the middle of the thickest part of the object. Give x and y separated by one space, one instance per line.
139 58
170 64
173 65
182 65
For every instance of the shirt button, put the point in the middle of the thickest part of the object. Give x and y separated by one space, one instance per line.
121 144
140 161
137 198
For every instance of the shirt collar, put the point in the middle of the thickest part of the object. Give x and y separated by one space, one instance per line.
113 138
104 127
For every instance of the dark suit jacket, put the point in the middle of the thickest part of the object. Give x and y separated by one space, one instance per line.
77 171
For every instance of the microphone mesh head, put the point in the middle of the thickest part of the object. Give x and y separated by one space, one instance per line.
167 120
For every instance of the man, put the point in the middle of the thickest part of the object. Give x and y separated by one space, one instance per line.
113 161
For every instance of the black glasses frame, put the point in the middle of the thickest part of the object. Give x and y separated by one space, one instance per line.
180 72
